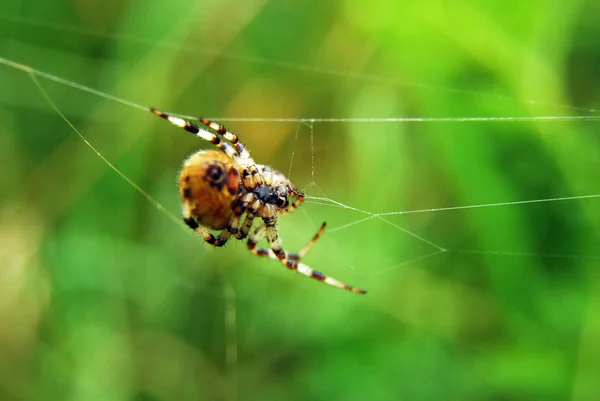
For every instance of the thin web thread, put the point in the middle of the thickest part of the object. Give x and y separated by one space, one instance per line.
315 200
292 157
146 195
409 119
277 63
330 202
105 95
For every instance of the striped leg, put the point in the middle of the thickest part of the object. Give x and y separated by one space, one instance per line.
260 233
246 225
220 240
240 155
307 247
291 261
207 136
233 226
245 158
250 205
204 233
230 136
293 205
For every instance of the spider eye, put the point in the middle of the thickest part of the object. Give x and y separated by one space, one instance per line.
215 173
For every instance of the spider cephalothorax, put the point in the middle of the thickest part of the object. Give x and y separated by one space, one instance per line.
227 190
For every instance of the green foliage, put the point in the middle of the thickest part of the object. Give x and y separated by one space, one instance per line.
104 297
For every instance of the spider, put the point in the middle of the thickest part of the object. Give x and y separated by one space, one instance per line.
226 190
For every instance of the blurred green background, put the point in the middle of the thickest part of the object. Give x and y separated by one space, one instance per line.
104 297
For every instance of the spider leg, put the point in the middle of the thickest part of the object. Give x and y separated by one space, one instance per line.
290 261
230 136
193 129
249 204
233 226
246 159
293 205
204 233
250 173
222 238
246 225
302 252
260 233
218 241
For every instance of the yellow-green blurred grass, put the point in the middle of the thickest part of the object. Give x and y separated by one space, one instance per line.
102 296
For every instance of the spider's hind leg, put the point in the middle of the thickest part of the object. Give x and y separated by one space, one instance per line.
291 261
204 233
260 233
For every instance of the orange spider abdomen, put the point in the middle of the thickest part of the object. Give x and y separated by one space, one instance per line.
209 183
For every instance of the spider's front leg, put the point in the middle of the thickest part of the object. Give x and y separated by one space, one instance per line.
299 198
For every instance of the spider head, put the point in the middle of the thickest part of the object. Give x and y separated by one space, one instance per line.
295 194
285 194
282 197
272 195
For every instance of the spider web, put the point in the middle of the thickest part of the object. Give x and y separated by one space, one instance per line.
395 215
306 128
323 200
